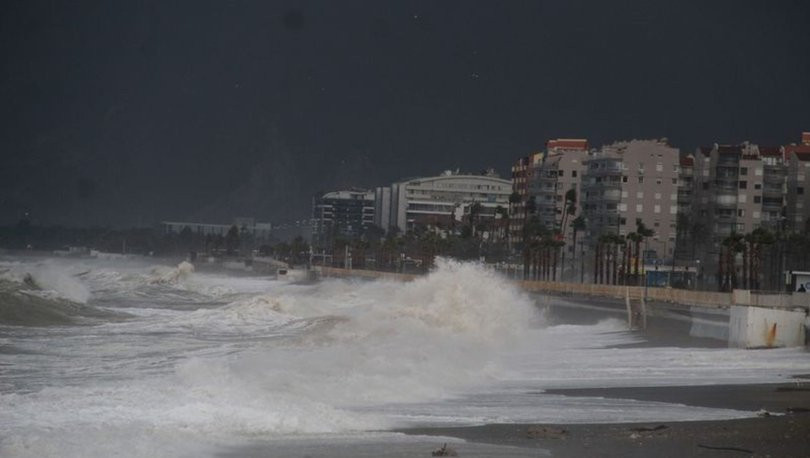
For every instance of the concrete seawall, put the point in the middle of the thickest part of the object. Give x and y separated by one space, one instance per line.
755 320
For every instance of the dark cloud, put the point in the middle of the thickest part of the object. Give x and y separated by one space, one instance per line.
213 109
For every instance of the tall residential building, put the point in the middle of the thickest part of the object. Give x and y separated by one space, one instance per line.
341 214
546 178
561 171
633 180
737 188
522 175
684 224
382 207
797 211
444 200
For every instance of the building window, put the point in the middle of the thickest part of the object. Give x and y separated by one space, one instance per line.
658 181
624 179
561 173
623 221
757 186
574 173
743 170
743 184
757 199
740 212
674 181
705 186
799 191
641 179
639 208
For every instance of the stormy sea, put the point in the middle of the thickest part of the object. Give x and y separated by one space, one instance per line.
126 357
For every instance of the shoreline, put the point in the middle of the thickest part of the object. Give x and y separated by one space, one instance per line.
784 431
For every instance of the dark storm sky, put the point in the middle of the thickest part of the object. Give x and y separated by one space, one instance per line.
126 113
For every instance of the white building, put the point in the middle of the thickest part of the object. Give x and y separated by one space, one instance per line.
442 201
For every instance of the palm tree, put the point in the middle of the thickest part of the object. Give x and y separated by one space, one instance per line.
635 239
570 208
643 233
504 217
533 230
578 225
618 243
758 238
733 244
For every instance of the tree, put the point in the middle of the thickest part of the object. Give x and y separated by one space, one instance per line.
642 232
578 225
186 238
475 213
502 214
570 208
232 240
733 244
755 241
298 250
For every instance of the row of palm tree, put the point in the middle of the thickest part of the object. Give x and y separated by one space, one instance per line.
750 248
608 269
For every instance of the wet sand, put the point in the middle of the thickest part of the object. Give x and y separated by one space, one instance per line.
783 432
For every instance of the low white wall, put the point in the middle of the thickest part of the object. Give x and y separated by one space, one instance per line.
757 327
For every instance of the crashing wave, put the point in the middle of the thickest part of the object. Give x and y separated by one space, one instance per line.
173 276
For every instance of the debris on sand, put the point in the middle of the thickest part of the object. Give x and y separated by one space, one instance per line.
649 430
730 449
444 451
546 432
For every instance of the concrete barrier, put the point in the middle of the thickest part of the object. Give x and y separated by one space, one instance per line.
758 327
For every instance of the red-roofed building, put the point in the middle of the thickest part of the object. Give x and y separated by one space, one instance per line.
567 144
545 178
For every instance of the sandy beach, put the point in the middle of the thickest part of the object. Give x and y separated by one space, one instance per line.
784 431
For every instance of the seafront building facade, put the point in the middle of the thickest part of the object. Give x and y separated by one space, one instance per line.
341 214
443 201
797 160
259 231
544 179
629 181
690 201
523 171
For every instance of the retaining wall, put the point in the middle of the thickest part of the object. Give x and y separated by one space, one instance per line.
757 327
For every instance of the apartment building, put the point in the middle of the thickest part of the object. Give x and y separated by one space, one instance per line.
522 175
560 171
738 188
344 213
546 178
797 160
633 180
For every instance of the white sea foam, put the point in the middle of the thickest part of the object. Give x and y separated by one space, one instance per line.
274 359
